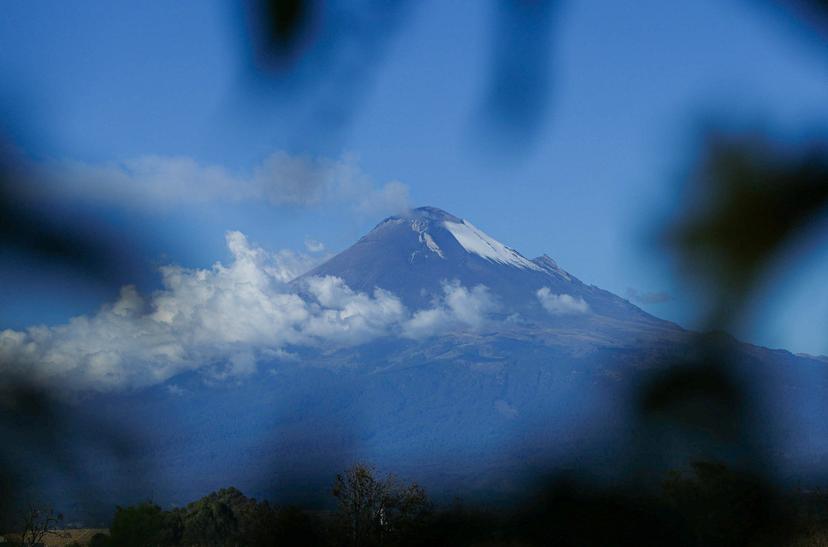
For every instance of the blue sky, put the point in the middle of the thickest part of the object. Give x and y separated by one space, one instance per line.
102 82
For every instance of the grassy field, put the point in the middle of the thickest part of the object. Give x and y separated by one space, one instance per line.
80 536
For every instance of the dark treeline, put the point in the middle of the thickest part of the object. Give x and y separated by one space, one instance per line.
708 504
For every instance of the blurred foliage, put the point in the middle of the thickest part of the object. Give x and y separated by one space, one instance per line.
723 507
755 198
35 230
45 433
277 30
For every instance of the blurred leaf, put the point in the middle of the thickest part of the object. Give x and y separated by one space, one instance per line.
757 198
277 29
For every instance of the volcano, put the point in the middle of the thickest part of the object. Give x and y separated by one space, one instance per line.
550 379
415 254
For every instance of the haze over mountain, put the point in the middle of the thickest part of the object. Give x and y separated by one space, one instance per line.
427 348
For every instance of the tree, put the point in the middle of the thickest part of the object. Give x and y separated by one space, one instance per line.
145 524
720 505
228 517
406 512
212 522
38 523
295 527
361 498
378 511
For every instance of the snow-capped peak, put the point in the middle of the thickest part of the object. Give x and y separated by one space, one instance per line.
475 241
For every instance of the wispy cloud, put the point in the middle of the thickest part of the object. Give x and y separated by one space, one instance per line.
643 297
286 265
561 304
392 197
280 180
222 322
314 246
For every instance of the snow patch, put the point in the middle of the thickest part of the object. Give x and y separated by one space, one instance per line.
432 245
550 266
477 242
420 227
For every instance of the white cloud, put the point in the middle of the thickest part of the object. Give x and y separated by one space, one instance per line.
648 297
279 180
470 307
223 321
460 307
426 322
286 265
561 304
314 246
173 389
345 316
392 197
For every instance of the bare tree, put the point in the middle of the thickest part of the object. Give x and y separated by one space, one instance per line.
39 522
361 497
375 511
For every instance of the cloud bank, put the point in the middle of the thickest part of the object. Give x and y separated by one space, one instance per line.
279 180
561 304
222 321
